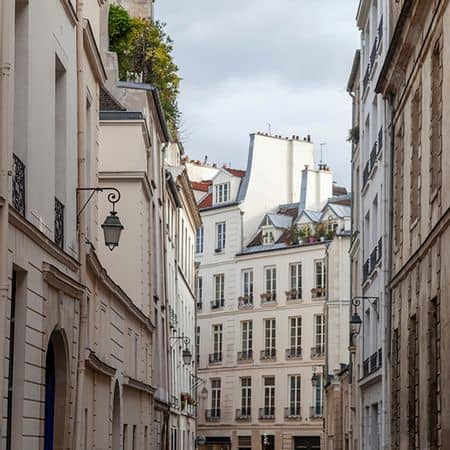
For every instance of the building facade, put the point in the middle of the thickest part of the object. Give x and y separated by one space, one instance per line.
413 79
265 263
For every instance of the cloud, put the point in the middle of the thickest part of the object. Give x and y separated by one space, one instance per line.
247 63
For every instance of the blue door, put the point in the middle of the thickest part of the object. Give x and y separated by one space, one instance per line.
49 398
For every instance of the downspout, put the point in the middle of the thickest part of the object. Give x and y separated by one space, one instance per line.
6 61
81 150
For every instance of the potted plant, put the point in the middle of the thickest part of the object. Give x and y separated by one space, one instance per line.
321 232
330 234
301 235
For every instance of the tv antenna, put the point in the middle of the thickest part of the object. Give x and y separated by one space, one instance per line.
322 145
269 128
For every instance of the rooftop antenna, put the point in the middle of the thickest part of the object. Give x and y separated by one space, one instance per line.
269 128
322 145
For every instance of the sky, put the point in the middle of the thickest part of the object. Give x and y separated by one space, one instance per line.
263 65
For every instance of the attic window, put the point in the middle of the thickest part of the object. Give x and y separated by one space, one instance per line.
332 226
222 192
268 237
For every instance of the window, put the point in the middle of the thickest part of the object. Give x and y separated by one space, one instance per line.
199 238
269 338
269 397
319 335
220 236
246 396
222 192
247 337
199 291
247 286
295 337
217 343
197 346
271 283
319 278
215 397
268 236
416 133
219 291
295 282
318 388
294 396
245 442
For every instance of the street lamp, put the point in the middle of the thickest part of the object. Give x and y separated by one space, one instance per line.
112 226
355 324
187 354
355 321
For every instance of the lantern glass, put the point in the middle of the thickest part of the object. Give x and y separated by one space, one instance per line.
187 356
355 324
111 230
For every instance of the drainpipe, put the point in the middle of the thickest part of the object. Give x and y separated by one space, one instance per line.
81 150
6 58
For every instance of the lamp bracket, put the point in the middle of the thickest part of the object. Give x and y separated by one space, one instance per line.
113 197
186 339
373 302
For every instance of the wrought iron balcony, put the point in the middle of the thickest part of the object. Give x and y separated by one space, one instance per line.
373 53
215 358
372 363
380 33
318 351
267 413
366 77
294 294
268 354
217 304
246 301
212 415
380 249
59 223
293 412
366 270
316 412
246 355
244 414
294 353
268 298
366 173
380 140
18 185
373 259
373 155
318 293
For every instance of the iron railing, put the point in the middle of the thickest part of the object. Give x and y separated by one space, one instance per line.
380 140
373 156
294 353
268 297
366 270
366 173
380 32
294 294
268 353
244 414
246 355
18 185
59 223
212 415
366 77
267 413
217 304
316 412
246 301
318 351
215 358
372 363
293 412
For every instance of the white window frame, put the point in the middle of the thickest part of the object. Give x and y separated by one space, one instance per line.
217 331
247 336
295 279
270 281
222 192
270 335
247 284
294 395
246 396
319 331
269 395
268 235
295 332
320 274
318 395
216 386
199 240
199 291
219 290
221 231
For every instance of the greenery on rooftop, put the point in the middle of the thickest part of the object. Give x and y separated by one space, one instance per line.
144 53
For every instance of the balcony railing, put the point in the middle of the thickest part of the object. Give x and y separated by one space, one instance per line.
174 401
294 294
366 77
373 53
244 414
366 270
59 223
373 155
215 358
366 173
316 412
380 249
246 355
267 413
268 297
212 415
318 351
294 353
217 304
318 293
380 32
246 301
380 140
293 412
18 185
373 258
268 353
372 363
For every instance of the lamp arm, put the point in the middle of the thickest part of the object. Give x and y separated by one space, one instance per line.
186 339
113 197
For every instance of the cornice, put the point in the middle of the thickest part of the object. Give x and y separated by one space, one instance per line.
93 53
61 281
140 386
129 176
39 238
70 11
97 364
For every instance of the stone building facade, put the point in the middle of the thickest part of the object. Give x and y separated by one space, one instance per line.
261 295
415 80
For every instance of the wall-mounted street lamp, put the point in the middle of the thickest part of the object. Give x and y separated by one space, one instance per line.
355 321
197 381
112 226
187 354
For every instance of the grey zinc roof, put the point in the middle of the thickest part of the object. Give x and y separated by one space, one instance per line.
280 220
340 210
315 216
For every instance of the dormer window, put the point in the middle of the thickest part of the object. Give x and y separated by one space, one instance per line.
268 237
222 192
332 226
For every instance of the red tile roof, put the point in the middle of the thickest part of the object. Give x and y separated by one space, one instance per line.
200 186
206 202
236 172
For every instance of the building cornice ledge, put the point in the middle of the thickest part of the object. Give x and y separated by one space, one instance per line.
140 386
40 239
93 52
97 364
61 281
101 273
70 11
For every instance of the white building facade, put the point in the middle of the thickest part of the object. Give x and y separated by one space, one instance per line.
371 236
264 255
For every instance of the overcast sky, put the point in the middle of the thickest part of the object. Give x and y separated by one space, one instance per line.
246 64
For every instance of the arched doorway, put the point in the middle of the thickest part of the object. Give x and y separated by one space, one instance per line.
116 419
55 392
